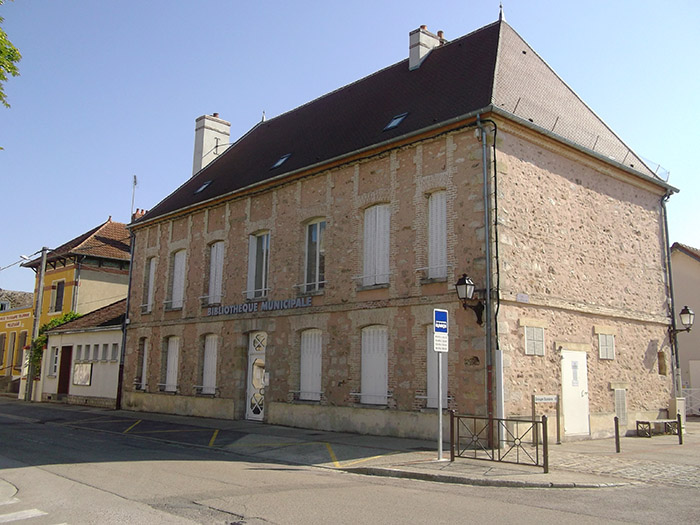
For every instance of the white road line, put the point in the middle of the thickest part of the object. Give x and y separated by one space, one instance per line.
21 515
9 501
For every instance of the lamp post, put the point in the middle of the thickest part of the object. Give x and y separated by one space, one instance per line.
35 330
687 317
465 291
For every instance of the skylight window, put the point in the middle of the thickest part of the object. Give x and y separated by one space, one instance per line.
398 119
203 187
281 161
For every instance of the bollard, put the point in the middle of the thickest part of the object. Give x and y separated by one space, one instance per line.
545 445
679 420
617 434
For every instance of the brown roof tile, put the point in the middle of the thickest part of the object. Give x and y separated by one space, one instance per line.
110 315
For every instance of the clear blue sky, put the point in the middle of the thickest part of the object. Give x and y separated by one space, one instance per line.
109 90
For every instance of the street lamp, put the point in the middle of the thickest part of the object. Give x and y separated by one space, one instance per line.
687 319
465 291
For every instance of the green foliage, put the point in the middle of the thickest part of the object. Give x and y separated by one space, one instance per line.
39 343
9 56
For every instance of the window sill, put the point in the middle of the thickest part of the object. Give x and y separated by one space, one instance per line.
433 280
362 288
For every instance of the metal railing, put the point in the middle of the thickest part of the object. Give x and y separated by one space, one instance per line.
692 400
519 441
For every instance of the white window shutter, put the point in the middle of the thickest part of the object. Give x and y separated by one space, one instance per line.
310 369
151 283
432 373
252 248
383 243
374 380
178 279
171 364
621 405
606 346
144 364
216 267
437 235
370 246
209 364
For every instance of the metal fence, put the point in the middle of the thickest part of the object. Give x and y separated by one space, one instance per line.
519 441
692 400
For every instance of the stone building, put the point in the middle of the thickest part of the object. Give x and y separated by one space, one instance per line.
292 279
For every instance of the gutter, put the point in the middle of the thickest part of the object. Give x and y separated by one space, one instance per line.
673 341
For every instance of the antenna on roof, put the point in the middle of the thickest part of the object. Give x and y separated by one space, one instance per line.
263 116
133 194
501 16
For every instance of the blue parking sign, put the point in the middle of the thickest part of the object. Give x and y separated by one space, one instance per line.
440 331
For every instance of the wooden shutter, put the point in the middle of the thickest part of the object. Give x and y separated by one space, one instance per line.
209 364
178 279
374 380
432 373
534 340
382 239
376 245
144 364
606 346
150 283
310 369
621 405
216 268
437 235
171 364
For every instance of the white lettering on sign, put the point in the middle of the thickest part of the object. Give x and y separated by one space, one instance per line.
14 317
441 324
14 324
263 306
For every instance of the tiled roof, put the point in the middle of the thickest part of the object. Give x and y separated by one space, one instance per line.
688 250
109 240
110 315
492 67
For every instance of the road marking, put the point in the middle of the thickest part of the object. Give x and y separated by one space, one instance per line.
332 454
9 501
213 437
132 426
179 430
21 515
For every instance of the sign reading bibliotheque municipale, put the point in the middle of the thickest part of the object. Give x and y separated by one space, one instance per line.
260 306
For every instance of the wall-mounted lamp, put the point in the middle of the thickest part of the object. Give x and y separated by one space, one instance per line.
465 291
687 319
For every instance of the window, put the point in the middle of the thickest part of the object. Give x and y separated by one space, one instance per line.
281 161
534 340
3 337
96 352
87 353
148 285
315 256
53 361
375 373
437 235
310 365
211 342
177 279
4 305
11 351
170 368
20 346
216 269
105 351
432 373
606 346
376 245
202 187
141 365
115 351
57 289
395 121
79 353
258 255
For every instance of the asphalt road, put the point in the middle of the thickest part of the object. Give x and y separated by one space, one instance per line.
87 466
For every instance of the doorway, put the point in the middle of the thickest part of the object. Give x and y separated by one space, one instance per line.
574 385
255 393
64 370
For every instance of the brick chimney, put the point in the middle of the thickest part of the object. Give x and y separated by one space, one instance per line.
420 43
211 138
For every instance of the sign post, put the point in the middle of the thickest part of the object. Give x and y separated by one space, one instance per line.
440 345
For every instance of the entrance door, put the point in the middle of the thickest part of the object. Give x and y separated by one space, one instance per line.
255 398
574 379
64 370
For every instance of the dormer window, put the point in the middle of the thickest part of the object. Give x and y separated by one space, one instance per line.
394 122
203 187
281 161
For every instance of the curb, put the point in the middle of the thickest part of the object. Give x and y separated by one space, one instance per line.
466 480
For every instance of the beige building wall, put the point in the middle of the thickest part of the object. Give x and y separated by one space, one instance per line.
100 288
686 289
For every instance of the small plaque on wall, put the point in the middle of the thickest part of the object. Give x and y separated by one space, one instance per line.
82 374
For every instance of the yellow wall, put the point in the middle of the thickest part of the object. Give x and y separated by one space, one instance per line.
51 278
13 323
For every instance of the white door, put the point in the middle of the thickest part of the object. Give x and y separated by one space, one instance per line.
255 398
574 379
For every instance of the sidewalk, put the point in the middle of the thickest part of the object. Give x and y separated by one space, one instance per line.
579 464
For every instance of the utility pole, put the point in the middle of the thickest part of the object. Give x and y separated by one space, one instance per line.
35 330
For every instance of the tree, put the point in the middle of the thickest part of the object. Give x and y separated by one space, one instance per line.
9 56
38 345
